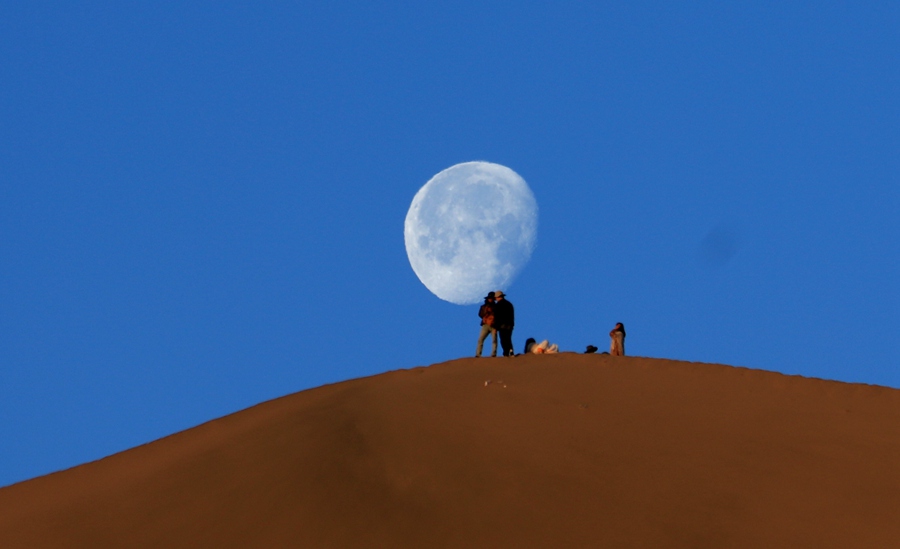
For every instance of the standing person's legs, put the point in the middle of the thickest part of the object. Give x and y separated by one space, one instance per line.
494 341
506 341
485 330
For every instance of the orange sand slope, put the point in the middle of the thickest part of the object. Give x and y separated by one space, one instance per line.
556 451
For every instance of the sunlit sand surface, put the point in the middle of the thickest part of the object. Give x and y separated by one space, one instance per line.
534 451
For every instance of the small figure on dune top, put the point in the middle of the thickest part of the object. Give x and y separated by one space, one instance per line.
504 321
542 348
617 340
486 313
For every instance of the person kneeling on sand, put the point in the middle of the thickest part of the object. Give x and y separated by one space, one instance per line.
617 340
542 348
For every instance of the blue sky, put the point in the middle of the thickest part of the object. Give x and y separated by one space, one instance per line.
202 203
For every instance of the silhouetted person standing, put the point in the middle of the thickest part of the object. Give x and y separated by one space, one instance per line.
504 321
617 340
486 312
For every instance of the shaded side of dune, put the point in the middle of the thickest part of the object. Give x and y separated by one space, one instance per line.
535 451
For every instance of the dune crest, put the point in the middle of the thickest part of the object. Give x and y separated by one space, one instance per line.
560 450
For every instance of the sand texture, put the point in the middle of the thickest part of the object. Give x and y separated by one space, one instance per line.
556 451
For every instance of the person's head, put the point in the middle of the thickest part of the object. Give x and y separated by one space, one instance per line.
499 294
619 325
490 297
529 343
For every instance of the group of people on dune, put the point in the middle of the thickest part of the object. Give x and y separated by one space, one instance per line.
498 317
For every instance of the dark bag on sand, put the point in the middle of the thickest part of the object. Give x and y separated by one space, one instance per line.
486 313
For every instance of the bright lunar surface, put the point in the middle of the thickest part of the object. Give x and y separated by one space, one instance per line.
470 230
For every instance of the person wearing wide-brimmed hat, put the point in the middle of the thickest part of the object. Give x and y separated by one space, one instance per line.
486 313
504 321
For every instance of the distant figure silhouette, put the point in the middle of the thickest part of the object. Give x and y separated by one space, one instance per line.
617 340
542 348
486 312
504 321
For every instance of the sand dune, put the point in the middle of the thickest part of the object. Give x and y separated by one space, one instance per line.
556 451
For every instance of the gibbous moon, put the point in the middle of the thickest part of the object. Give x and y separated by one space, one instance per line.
470 230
